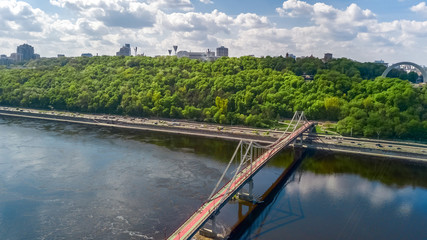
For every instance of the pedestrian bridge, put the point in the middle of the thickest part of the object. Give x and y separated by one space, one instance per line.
251 157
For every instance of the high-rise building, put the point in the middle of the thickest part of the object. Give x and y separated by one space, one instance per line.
222 52
327 57
24 52
124 51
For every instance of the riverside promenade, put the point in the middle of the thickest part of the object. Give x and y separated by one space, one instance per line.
394 150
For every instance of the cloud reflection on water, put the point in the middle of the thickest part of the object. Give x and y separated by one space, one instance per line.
337 187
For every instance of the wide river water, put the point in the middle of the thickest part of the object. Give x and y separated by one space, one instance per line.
65 181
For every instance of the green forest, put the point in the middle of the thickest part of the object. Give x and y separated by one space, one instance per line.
246 90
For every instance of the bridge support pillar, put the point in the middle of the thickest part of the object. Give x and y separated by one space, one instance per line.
213 225
247 196
210 233
298 141
251 187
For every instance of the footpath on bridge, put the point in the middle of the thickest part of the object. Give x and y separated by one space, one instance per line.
220 198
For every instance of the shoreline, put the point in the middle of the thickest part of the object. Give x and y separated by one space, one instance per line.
144 126
415 152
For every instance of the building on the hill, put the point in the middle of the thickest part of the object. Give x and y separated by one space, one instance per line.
204 56
381 62
4 60
290 55
16 57
327 57
25 52
222 52
124 51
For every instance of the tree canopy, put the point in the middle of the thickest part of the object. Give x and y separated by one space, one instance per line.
245 90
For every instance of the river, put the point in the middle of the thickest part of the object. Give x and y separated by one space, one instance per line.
66 181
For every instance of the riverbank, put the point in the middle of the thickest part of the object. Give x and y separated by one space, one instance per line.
145 124
380 148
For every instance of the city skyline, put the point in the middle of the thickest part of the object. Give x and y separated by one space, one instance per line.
363 31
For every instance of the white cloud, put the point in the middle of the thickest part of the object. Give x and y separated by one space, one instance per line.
353 32
251 20
213 22
420 8
20 16
155 25
114 13
328 23
80 5
206 1
295 8
175 5
321 13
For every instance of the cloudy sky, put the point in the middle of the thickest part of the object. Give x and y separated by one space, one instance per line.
364 30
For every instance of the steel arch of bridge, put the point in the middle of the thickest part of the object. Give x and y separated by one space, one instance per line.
421 69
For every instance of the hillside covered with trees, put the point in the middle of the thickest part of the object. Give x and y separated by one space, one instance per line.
245 90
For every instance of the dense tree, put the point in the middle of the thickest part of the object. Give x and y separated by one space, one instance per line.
412 77
246 90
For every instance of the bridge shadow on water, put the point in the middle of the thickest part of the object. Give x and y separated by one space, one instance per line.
266 216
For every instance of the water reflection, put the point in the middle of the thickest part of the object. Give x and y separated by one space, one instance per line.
337 203
268 215
277 217
389 172
60 181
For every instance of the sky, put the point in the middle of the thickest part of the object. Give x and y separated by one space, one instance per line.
365 30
